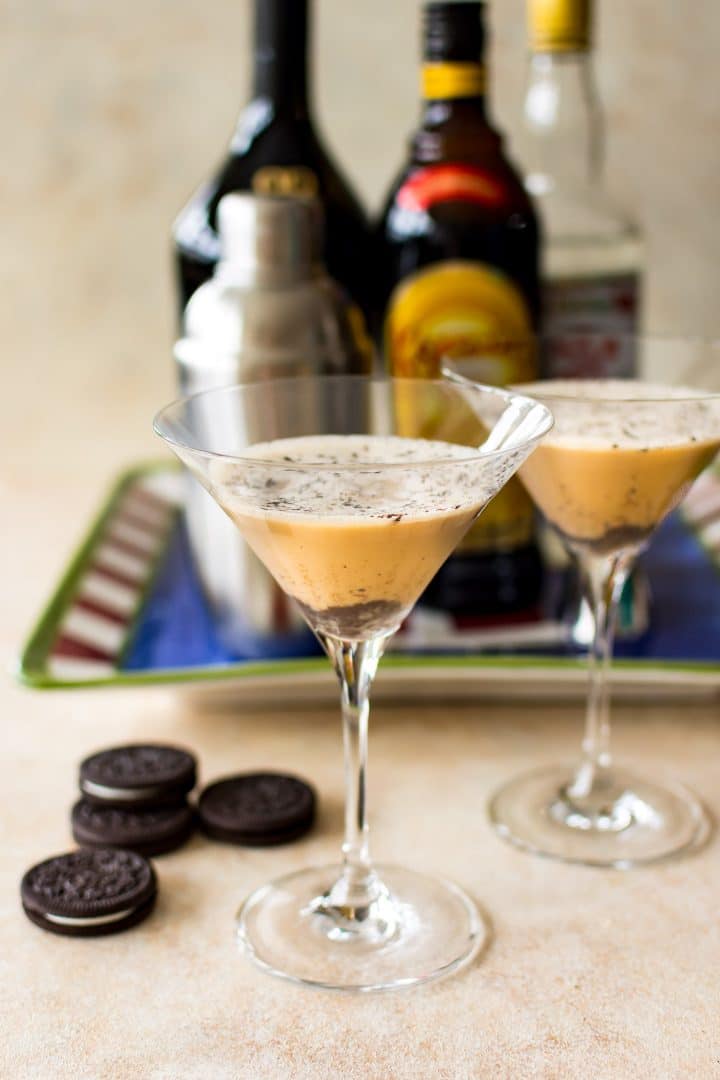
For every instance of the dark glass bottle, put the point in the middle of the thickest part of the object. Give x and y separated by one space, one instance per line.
276 150
459 256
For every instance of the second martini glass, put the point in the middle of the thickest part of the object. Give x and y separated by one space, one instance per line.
353 512
621 456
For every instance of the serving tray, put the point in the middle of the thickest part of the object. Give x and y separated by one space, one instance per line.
129 611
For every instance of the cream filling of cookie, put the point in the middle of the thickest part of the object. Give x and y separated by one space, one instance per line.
90 920
102 791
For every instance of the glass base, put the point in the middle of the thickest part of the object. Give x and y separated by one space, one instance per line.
417 929
622 821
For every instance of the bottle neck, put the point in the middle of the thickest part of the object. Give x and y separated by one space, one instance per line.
563 123
452 91
282 39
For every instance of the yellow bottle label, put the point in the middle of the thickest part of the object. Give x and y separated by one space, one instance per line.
559 25
475 319
452 80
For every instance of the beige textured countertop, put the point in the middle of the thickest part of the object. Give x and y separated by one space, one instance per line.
590 974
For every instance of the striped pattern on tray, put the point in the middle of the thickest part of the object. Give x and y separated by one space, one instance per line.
95 627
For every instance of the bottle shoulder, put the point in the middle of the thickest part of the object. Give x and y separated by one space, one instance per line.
464 150
583 212
587 234
454 194
281 158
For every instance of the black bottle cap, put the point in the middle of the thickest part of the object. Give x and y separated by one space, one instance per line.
454 31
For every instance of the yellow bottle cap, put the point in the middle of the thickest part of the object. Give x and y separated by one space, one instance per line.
559 25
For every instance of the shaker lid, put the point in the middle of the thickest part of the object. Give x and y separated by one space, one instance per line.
270 233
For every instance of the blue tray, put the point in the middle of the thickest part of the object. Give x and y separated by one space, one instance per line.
129 610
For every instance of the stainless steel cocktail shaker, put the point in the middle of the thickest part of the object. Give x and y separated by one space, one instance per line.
270 310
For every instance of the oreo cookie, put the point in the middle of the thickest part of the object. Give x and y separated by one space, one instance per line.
87 893
257 809
138 775
153 831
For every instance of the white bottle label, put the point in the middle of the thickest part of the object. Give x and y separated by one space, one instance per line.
588 327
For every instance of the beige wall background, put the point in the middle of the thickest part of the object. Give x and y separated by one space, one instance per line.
113 112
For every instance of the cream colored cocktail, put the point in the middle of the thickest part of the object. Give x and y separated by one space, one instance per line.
354 545
605 478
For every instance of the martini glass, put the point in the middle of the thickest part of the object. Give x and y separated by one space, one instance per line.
353 491
621 456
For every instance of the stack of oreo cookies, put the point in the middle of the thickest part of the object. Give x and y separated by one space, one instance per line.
135 797
134 804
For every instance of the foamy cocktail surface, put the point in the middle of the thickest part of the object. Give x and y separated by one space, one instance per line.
620 456
353 527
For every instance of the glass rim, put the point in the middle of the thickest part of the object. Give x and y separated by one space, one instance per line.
685 394
507 394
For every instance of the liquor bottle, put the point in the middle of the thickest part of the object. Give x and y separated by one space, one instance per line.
592 255
276 150
458 244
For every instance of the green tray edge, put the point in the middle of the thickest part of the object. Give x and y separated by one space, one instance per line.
31 672
30 667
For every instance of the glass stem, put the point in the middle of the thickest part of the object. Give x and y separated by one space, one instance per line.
603 580
357 891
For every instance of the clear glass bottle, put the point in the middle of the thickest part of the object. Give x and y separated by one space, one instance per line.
593 256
